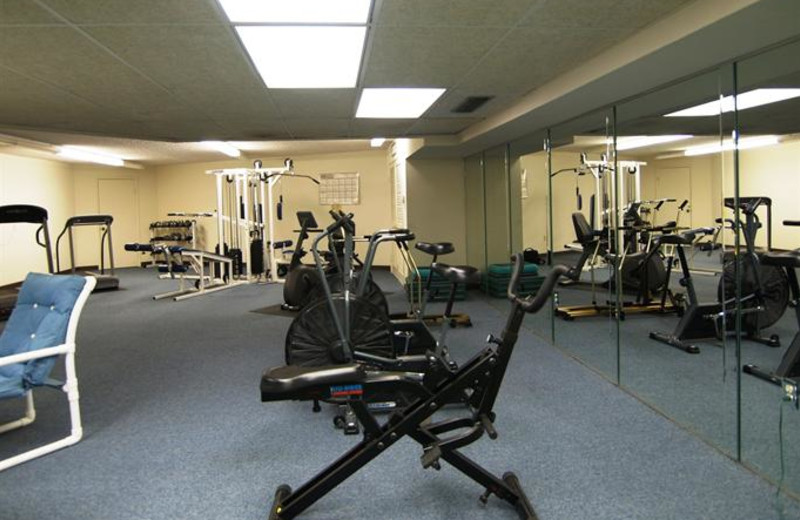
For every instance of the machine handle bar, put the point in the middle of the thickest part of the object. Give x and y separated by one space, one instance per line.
533 304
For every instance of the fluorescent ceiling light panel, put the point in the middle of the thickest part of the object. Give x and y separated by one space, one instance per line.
305 57
640 141
377 142
744 144
396 103
79 154
297 11
222 147
751 99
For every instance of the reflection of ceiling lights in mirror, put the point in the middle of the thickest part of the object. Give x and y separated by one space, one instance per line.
79 154
222 147
751 99
640 141
305 56
297 11
744 144
396 103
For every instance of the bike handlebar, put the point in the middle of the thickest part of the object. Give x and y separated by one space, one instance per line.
533 304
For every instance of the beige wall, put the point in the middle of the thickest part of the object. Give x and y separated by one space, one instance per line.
436 206
65 190
186 187
40 182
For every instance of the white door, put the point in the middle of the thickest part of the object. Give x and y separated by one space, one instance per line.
117 197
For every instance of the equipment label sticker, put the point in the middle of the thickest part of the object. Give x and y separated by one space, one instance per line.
347 391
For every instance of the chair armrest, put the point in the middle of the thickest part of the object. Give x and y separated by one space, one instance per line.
36 354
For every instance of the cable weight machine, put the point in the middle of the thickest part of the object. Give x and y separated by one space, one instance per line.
245 229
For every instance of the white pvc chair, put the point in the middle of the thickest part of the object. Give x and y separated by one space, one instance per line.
41 328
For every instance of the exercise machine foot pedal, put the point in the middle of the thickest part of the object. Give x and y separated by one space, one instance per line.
281 493
523 505
430 457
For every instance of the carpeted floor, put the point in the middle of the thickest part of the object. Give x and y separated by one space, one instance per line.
175 430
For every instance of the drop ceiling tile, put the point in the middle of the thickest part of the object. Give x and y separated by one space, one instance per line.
20 12
137 11
24 101
183 130
206 69
318 128
580 14
425 56
314 103
368 128
440 126
64 58
443 13
532 56
252 128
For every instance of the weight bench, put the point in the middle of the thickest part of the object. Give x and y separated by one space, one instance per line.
179 261
357 385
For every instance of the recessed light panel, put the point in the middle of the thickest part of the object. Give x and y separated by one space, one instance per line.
223 147
744 144
641 141
305 56
80 154
297 11
396 103
745 100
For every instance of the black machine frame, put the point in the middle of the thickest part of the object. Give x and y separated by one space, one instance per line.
356 385
104 281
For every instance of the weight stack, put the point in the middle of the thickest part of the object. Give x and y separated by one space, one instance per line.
496 284
440 287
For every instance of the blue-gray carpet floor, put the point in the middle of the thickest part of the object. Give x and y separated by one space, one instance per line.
174 429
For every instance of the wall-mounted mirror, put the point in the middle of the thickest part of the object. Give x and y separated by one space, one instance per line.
581 216
676 351
768 103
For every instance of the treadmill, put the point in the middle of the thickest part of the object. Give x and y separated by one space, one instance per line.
24 214
105 282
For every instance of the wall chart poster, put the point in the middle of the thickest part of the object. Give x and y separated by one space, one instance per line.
339 188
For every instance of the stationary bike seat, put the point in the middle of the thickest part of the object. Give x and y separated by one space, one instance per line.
299 382
438 248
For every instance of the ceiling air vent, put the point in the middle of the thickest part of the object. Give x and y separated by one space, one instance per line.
471 104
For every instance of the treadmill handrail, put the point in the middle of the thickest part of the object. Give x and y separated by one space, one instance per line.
23 213
89 220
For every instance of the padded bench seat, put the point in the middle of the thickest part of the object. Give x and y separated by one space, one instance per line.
462 274
298 382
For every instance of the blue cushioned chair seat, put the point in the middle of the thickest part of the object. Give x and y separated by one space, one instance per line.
39 320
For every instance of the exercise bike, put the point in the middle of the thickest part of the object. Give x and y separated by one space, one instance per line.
300 278
347 325
789 366
356 385
764 289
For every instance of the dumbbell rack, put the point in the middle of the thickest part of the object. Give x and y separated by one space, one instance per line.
173 232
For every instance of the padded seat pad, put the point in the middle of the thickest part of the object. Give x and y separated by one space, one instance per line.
439 248
790 259
39 320
458 273
292 381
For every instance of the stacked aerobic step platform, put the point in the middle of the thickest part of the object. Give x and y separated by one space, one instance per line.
440 287
496 284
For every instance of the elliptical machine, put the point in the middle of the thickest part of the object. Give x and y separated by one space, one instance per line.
764 288
300 278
